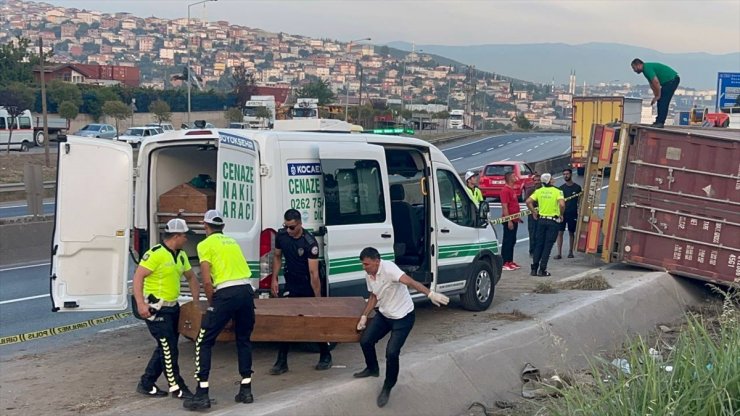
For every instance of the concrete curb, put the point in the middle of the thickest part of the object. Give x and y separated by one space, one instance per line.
484 368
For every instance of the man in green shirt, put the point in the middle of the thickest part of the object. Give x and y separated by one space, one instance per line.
663 81
156 289
225 275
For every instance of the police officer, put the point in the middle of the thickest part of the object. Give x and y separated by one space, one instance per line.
156 289
531 222
551 206
301 273
472 187
230 296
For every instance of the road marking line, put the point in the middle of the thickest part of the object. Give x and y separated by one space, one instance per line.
519 154
529 150
459 158
23 267
510 142
22 299
118 328
504 160
566 150
489 149
476 153
501 145
467 144
604 187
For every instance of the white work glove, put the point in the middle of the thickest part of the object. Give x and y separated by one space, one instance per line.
362 324
438 298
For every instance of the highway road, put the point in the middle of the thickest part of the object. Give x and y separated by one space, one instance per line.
24 299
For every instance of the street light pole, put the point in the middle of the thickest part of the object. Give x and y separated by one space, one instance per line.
346 84
187 66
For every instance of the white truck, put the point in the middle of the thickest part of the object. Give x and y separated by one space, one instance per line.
400 195
455 121
28 130
252 107
305 108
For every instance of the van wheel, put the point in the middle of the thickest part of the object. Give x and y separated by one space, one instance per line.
40 139
479 288
25 146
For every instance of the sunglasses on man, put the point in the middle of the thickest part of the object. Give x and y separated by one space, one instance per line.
289 227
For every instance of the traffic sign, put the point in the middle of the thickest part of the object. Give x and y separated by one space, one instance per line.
728 89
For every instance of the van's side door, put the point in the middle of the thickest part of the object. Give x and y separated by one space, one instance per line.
238 194
356 212
93 216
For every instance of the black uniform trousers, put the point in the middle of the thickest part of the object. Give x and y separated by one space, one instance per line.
532 228
284 347
378 328
234 302
164 358
547 234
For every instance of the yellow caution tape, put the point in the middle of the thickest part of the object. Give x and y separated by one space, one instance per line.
28 336
523 213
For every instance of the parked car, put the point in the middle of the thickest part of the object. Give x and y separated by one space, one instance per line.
102 131
491 179
135 135
198 124
163 126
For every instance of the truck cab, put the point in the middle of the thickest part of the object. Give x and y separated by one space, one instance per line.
401 195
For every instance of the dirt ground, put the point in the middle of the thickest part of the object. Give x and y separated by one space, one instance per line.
11 171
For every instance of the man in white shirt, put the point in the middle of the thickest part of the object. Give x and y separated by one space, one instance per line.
388 286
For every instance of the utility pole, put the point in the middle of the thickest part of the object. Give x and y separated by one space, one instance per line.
43 102
359 104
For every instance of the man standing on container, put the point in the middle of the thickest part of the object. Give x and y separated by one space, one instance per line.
388 286
570 216
509 206
301 251
663 81
230 295
156 289
531 222
549 215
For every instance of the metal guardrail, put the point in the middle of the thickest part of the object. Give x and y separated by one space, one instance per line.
15 187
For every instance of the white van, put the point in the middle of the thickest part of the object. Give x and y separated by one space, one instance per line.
22 138
400 195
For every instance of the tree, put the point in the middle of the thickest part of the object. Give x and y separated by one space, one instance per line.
16 62
68 110
243 84
317 89
234 115
16 98
263 114
522 122
161 111
94 99
118 110
60 91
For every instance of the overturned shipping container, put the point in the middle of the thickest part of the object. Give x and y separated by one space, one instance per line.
675 205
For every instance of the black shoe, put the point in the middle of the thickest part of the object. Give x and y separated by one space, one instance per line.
544 273
245 394
182 393
383 397
533 271
366 373
657 125
280 367
199 401
324 363
152 391
570 255
558 257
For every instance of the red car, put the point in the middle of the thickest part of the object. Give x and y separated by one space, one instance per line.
492 177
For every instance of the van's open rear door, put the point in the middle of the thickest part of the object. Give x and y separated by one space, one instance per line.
357 212
238 193
90 264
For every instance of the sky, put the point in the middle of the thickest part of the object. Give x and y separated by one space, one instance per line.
670 26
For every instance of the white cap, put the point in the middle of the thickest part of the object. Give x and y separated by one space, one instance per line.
545 178
469 174
213 217
176 225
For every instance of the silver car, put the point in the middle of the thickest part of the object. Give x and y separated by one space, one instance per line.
102 131
135 135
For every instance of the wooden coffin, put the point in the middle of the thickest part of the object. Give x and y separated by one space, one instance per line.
187 200
288 319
